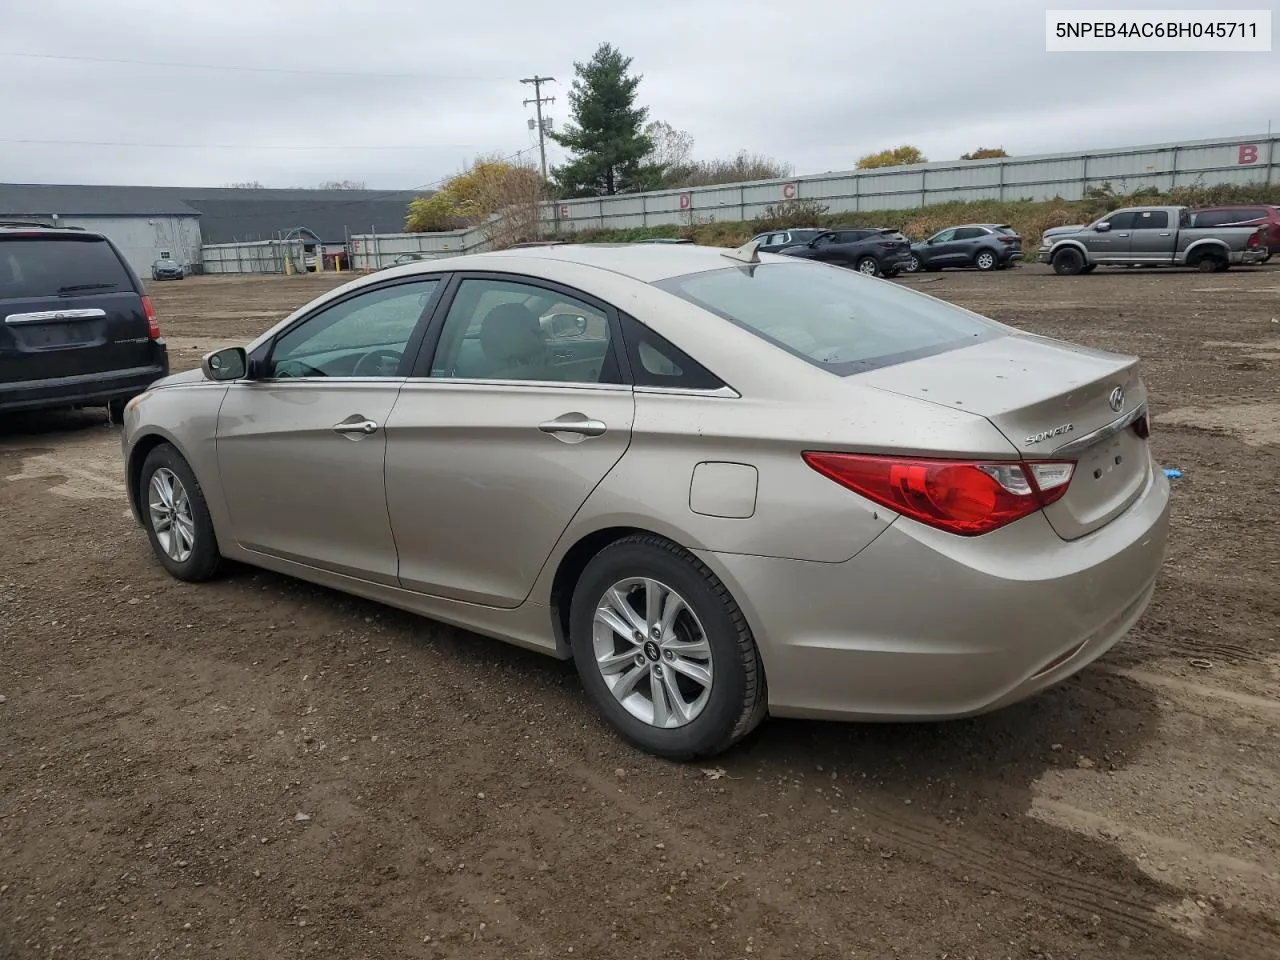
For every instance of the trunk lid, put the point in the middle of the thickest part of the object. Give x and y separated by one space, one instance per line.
68 307
1052 401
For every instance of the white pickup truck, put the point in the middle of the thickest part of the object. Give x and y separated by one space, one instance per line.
1150 237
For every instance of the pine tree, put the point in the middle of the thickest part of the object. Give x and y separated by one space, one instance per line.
606 139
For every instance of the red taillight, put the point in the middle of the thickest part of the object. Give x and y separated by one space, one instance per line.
1009 240
1256 240
153 328
968 498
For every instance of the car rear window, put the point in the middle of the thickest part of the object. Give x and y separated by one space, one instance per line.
1007 231
49 266
1221 218
832 317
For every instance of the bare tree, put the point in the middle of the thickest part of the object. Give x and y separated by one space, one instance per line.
672 148
246 185
344 185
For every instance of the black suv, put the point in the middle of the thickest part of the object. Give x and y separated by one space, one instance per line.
76 326
875 251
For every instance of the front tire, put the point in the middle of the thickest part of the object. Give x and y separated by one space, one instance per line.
912 264
177 517
664 651
1068 263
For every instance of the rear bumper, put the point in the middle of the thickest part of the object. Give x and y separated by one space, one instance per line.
1254 256
90 389
923 625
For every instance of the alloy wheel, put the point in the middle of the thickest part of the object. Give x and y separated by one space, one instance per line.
652 651
171 517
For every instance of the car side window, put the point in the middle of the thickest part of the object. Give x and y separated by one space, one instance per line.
1151 220
656 362
511 330
968 233
1121 221
944 236
364 336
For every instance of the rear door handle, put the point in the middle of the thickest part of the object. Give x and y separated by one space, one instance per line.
355 425
574 423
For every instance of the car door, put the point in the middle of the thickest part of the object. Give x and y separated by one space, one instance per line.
301 449
1113 242
827 248
501 434
965 244
1152 238
938 248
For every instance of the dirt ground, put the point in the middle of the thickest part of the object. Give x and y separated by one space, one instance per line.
259 768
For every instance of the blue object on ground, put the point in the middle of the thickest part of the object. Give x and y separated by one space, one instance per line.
1172 473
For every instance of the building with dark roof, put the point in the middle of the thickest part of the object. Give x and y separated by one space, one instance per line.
146 222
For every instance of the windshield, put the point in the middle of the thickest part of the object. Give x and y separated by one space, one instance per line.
834 318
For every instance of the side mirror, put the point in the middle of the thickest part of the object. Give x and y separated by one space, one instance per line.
568 324
1103 227
230 363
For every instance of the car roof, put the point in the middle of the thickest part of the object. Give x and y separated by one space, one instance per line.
21 226
646 262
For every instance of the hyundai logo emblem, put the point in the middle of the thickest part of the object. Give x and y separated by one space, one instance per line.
1116 400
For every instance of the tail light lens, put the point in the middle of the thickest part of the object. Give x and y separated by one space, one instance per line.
1256 240
968 498
1008 241
153 328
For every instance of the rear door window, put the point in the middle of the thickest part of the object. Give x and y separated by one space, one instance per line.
1151 220
832 318
32 267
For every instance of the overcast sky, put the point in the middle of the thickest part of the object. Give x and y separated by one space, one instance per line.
404 92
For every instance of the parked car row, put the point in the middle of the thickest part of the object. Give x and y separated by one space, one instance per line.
884 252
1212 238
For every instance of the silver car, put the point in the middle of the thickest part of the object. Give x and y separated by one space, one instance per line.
724 484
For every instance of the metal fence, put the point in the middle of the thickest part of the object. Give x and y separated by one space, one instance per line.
1238 160
252 256
372 251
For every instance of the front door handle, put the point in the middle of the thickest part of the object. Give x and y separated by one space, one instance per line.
355 425
578 423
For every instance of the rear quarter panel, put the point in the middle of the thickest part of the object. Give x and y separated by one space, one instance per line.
798 514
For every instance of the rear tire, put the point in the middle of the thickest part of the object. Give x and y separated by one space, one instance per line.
1210 264
1068 263
868 267
706 636
986 260
177 517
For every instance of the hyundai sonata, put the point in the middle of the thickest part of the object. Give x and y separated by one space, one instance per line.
724 484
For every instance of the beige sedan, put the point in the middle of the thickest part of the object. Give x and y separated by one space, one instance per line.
724 484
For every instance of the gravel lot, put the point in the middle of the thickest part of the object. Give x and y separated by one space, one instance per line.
259 768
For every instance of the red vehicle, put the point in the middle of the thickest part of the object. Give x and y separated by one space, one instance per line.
1243 215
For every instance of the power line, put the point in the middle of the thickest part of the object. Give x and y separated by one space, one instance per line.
248 69
242 146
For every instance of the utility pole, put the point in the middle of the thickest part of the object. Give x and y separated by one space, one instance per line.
538 100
